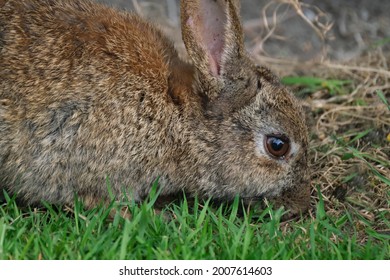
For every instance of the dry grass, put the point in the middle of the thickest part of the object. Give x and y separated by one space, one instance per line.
335 122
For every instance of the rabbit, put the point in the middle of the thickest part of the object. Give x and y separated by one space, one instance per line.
96 102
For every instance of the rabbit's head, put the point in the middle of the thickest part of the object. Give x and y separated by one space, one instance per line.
255 125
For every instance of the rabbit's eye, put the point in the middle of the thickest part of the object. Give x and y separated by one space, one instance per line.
277 146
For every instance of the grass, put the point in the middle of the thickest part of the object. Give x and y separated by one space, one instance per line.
312 84
348 116
195 230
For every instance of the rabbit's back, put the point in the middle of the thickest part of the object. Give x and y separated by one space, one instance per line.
82 86
56 40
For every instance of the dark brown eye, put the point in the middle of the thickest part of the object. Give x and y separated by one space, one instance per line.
277 146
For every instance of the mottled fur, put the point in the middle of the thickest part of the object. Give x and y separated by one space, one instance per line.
89 93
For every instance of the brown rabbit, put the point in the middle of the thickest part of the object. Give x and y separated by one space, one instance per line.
89 94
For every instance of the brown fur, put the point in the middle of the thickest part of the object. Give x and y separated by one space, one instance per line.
90 94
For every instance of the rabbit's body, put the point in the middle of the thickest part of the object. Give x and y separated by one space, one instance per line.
90 95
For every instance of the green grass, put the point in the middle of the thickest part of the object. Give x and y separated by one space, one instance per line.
311 84
380 43
183 231
383 98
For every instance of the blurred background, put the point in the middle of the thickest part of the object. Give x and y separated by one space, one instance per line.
290 29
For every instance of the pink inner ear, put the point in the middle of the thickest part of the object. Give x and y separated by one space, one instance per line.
210 25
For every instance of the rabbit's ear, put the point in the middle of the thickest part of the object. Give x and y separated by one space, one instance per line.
212 34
